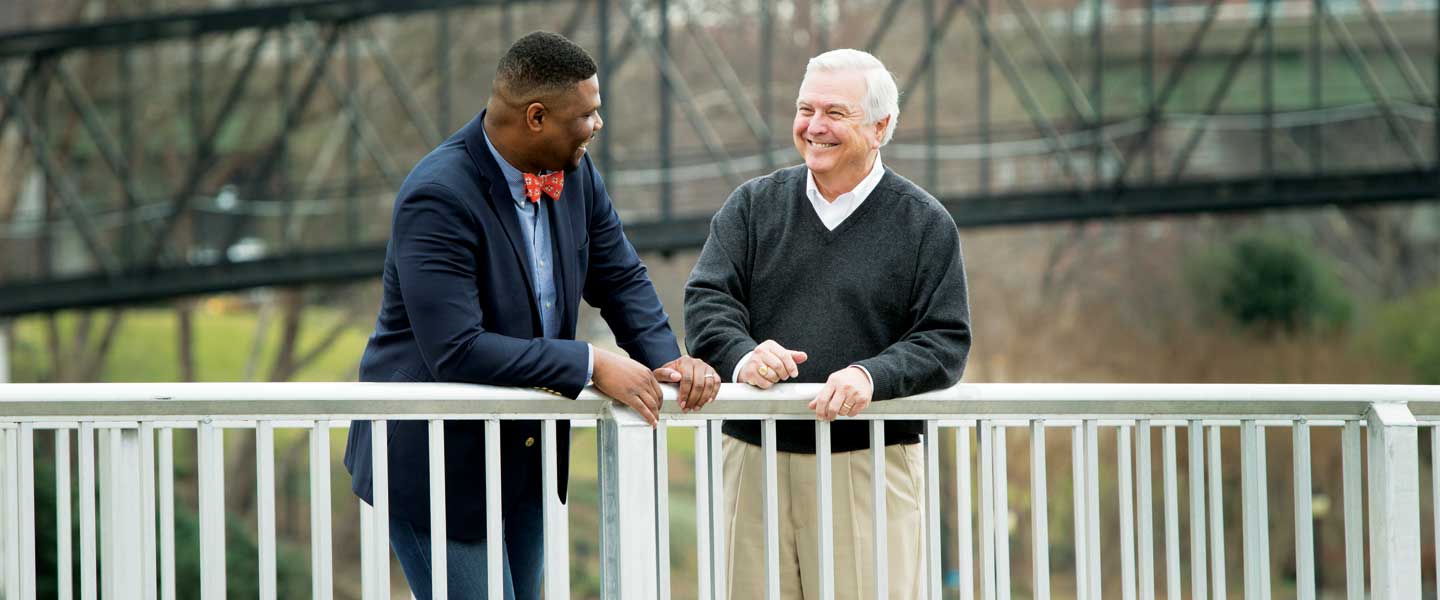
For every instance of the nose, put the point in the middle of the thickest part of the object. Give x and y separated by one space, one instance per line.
599 122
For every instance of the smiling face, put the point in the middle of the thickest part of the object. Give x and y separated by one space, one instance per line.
566 125
830 129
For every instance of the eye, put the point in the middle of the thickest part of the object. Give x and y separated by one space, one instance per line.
837 114
807 111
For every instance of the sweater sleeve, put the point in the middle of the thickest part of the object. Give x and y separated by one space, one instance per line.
717 313
931 355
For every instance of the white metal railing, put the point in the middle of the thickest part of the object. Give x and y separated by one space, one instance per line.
135 424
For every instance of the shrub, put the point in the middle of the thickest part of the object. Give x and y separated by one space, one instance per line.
1269 284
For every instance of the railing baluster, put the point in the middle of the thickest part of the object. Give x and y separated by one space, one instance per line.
1002 517
166 450
9 498
987 511
1304 521
106 509
772 510
1172 514
211 467
439 536
86 448
1217 518
662 510
1092 506
825 492
628 512
557 524
1435 494
64 580
1127 513
148 568
494 527
964 531
367 556
704 552
1262 490
1145 498
718 518
380 495
264 504
1198 581
932 510
1354 534
880 555
25 478
1077 488
1249 486
1039 513
321 575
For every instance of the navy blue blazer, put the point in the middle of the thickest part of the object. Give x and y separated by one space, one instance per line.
459 306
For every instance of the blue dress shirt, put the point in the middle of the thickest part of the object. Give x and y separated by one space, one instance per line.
535 226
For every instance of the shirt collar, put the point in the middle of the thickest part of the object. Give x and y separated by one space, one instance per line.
513 177
859 193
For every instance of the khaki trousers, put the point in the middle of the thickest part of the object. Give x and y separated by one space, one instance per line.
799 520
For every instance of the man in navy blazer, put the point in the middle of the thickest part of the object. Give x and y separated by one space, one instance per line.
497 234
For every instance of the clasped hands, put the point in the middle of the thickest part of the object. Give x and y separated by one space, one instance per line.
846 392
638 387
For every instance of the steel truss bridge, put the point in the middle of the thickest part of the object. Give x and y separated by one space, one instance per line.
150 156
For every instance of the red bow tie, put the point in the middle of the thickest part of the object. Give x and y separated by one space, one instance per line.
550 184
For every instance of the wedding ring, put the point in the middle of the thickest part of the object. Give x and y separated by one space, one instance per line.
845 408
709 376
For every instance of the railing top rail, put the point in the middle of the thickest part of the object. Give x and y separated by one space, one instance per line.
178 401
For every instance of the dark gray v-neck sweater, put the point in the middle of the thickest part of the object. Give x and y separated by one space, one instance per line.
885 289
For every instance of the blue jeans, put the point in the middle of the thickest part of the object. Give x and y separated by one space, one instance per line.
523 556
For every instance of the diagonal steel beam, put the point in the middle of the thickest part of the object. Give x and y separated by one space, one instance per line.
936 34
90 117
205 156
1001 57
1172 82
729 80
1372 84
69 197
1222 89
882 26
271 158
369 137
401 88
1075 97
31 72
1396 52
708 137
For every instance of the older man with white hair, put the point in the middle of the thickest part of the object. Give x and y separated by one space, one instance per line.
843 272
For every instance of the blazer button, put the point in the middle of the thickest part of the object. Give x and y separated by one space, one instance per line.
529 441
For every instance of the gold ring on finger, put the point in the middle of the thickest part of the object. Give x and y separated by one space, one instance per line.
764 371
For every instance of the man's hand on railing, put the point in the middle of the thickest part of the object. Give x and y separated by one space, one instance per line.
629 382
699 383
771 363
846 393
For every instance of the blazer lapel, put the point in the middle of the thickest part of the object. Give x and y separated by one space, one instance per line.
501 203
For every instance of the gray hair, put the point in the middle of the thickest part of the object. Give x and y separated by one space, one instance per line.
882 96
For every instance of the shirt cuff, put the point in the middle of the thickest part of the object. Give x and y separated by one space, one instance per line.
590 365
735 377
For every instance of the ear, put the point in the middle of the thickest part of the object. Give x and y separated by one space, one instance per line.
535 115
880 129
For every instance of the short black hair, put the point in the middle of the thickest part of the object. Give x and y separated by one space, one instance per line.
541 63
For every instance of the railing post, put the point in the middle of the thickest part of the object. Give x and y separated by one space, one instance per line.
628 515
1394 502
125 475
